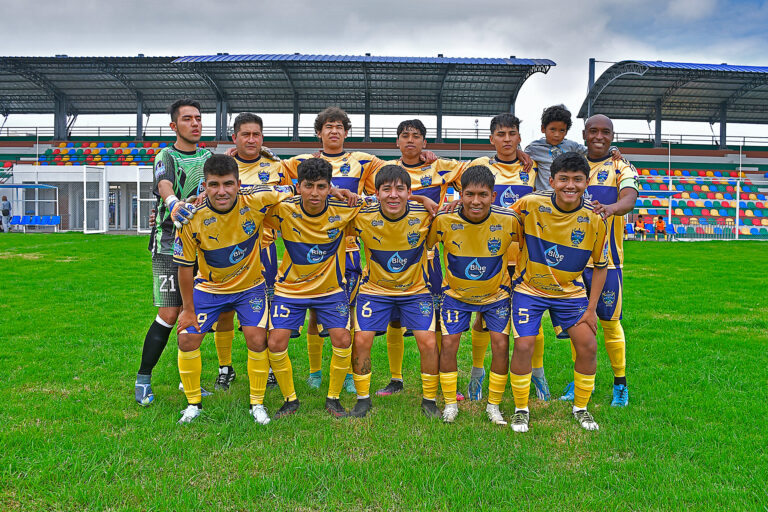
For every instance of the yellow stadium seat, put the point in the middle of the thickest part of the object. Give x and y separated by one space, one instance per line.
744 230
123 144
643 211
133 163
68 163
678 211
665 202
62 144
710 174
694 221
764 221
749 213
705 188
713 212
753 197
699 203
685 195
678 172
718 195
92 145
729 221
155 145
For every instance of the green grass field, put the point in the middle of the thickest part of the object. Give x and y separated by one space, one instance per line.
75 309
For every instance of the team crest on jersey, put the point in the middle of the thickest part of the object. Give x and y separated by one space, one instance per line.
334 218
178 247
413 238
345 169
236 255
413 221
545 209
244 210
315 254
553 257
264 176
455 227
426 181
333 233
524 176
494 245
509 197
396 263
342 308
425 307
495 227
159 169
249 227
577 236
581 218
609 298
377 222
602 176
297 215
257 303
474 270
209 221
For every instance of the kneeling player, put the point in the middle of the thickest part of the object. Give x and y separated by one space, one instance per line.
224 238
394 234
559 234
475 240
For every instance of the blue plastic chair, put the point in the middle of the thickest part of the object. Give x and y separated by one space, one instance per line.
680 230
15 220
761 197
723 212
718 174
687 212
686 172
694 195
754 231
630 228
718 230
26 220
708 204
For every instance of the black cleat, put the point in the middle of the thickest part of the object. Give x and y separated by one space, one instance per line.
362 407
225 379
429 408
289 407
394 386
271 380
333 406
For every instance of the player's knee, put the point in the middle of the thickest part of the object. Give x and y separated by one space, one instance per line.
278 340
340 338
255 338
188 343
168 315
524 347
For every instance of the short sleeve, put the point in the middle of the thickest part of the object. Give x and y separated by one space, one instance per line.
184 247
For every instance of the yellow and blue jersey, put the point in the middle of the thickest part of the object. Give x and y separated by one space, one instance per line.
475 254
395 250
313 261
606 179
262 171
226 244
555 246
432 180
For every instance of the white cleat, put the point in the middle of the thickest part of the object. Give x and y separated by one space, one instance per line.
494 414
586 421
189 414
520 421
259 414
450 412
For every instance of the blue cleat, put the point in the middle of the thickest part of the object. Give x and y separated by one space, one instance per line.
349 384
620 395
568 393
144 395
475 387
542 388
315 379
203 392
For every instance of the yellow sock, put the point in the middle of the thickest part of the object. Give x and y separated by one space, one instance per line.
615 345
315 352
190 367
258 371
583 386
521 387
281 367
537 360
448 383
362 385
438 340
429 384
573 352
340 361
496 385
395 351
223 342
480 341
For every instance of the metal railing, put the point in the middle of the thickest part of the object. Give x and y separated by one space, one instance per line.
706 140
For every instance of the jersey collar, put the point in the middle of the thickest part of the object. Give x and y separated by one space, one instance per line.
301 204
508 162
554 203
243 160
461 214
219 212
333 155
184 152
407 211
599 159
412 166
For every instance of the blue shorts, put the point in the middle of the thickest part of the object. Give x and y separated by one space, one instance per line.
527 311
352 273
455 315
250 306
289 313
435 277
269 265
609 307
415 312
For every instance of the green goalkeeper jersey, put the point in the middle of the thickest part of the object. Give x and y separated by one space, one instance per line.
184 169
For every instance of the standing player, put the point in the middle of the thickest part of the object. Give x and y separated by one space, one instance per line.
257 165
613 190
224 237
475 241
560 233
394 235
178 174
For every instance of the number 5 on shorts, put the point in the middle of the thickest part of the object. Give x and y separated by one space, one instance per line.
523 314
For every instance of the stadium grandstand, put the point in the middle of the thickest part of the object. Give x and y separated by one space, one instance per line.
704 189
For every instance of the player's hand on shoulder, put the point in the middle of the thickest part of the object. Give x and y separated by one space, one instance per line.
187 318
525 160
426 202
343 194
199 199
317 154
231 151
428 156
450 207
603 210
616 155
266 152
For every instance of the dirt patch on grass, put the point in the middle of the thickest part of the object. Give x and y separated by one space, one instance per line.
23 256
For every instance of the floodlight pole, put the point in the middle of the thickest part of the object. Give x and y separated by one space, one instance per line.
590 85
723 124
139 116
657 139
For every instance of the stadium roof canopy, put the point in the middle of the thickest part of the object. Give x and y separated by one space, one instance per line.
675 91
266 83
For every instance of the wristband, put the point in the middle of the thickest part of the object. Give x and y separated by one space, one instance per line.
170 200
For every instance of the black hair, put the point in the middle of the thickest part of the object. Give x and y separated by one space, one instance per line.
183 102
556 113
414 124
570 161
332 114
315 169
220 165
245 118
392 174
506 120
478 175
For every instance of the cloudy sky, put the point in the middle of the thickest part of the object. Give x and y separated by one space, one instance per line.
568 32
